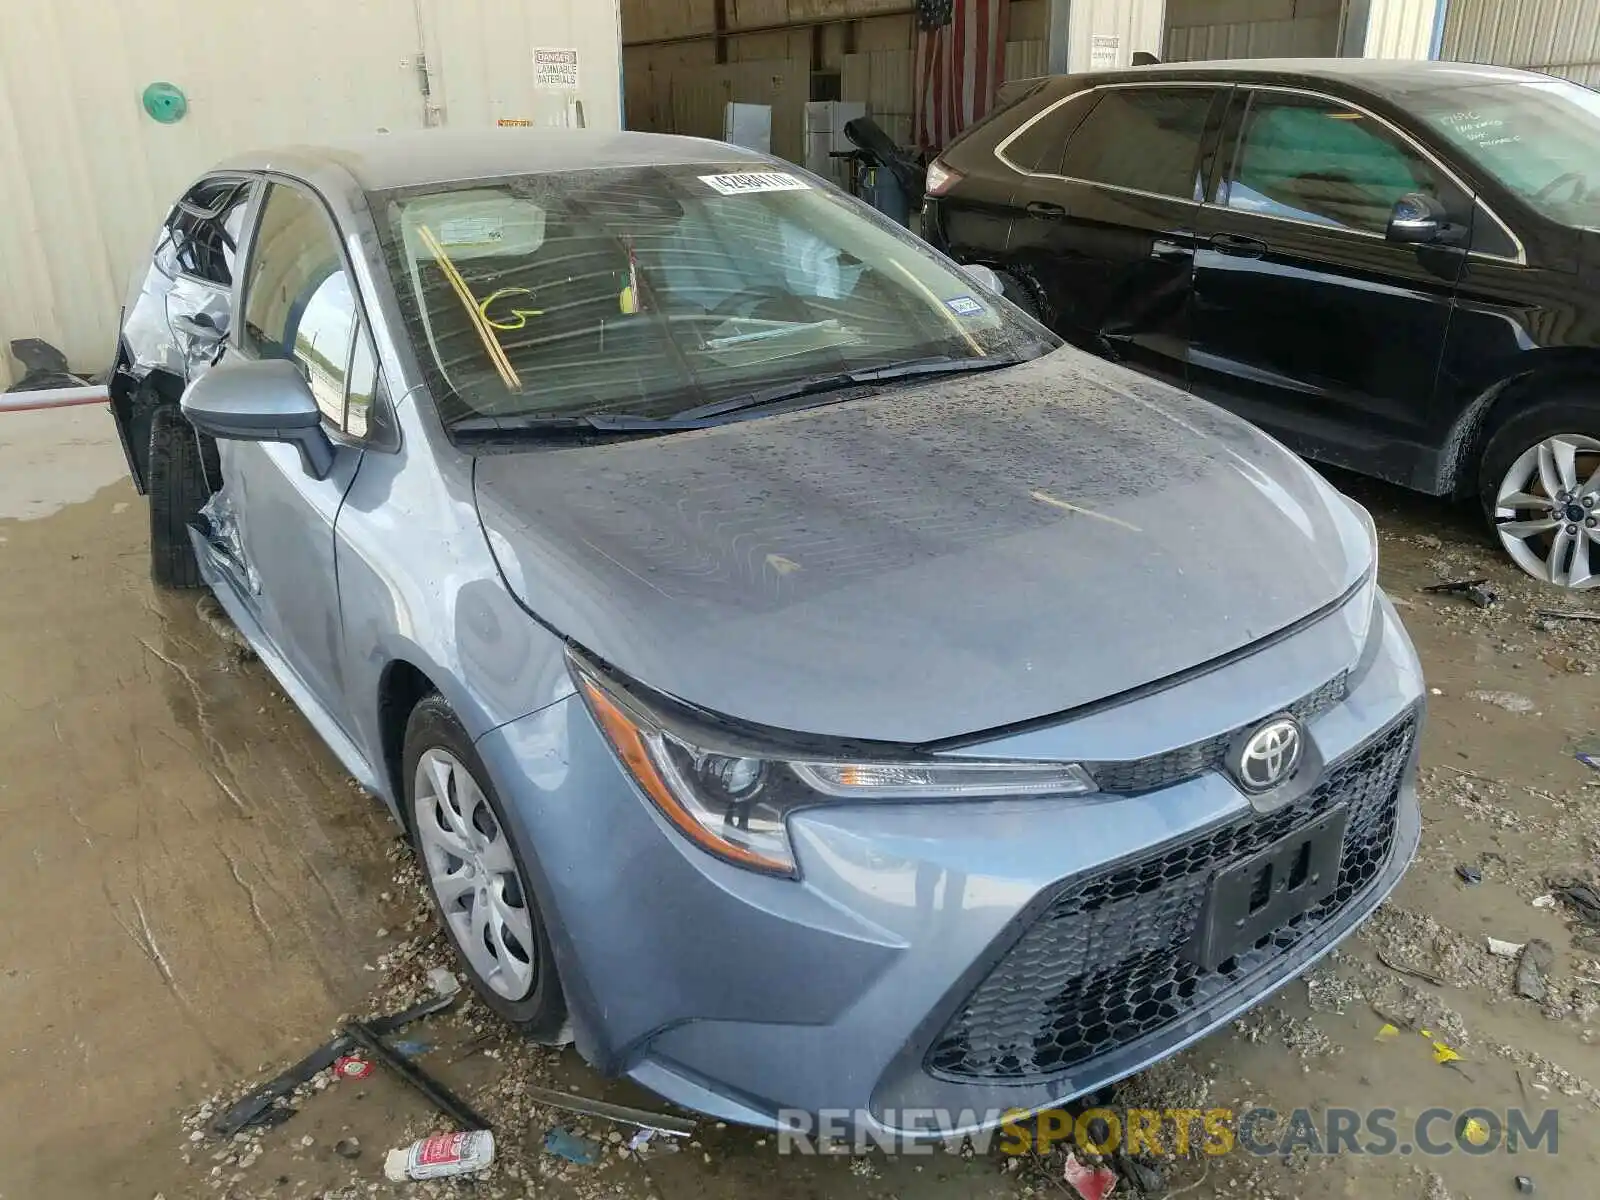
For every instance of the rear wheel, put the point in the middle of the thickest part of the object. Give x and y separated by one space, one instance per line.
1540 488
475 873
177 491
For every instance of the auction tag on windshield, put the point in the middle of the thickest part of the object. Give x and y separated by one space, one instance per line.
755 181
964 306
469 231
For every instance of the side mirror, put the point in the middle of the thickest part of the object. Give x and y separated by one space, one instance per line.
984 277
267 400
1416 217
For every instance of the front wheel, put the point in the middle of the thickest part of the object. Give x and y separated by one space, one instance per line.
178 489
475 873
1540 489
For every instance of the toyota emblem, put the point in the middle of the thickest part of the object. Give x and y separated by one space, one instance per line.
1270 755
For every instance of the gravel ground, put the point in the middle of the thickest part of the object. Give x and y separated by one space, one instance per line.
252 895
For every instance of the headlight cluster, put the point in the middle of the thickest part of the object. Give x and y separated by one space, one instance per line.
733 801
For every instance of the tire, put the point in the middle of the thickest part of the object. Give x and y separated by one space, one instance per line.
433 735
1020 294
177 492
1576 415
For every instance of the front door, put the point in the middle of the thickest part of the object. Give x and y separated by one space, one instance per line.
1109 235
298 303
1305 319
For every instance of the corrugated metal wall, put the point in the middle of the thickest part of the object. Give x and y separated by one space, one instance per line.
679 87
1560 37
1201 29
87 176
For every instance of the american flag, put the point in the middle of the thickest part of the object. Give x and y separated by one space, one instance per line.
960 55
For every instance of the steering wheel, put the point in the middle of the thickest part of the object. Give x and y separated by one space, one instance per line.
1577 178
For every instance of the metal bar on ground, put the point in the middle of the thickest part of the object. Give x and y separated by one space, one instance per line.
414 1076
660 1122
52 398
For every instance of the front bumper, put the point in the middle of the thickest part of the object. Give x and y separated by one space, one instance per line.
918 974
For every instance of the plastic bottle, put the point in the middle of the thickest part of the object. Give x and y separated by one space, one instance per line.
441 1155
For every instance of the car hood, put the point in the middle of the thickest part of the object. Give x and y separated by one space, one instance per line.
930 561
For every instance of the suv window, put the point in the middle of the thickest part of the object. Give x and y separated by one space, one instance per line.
201 237
1040 147
1315 160
297 302
1144 138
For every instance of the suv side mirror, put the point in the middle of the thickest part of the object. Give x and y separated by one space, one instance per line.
265 400
1418 218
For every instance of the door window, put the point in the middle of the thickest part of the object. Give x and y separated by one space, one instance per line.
1143 138
298 303
201 237
1318 161
1038 148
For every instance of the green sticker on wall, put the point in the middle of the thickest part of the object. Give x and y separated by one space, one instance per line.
165 102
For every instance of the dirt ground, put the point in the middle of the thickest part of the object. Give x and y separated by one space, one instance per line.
194 893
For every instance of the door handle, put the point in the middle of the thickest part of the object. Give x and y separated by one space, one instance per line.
1239 247
1045 211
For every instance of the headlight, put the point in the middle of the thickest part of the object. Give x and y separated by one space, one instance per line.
734 801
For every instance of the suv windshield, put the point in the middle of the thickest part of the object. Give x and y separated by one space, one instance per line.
1539 138
652 291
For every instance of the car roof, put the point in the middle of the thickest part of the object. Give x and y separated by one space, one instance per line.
1392 77
379 162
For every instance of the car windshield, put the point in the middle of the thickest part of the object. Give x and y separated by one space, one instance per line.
651 291
1539 138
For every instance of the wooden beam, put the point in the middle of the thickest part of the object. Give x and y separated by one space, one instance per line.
726 32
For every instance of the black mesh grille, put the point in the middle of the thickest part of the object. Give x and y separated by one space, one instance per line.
1164 770
1104 966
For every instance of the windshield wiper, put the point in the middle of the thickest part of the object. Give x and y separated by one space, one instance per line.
816 384
518 426
706 416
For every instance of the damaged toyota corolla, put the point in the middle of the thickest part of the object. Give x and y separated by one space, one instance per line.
806 683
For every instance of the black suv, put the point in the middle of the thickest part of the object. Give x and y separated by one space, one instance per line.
1392 266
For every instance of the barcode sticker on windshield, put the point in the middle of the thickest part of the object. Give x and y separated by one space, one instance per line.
755 181
469 231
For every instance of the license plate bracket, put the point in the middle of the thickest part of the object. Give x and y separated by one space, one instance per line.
1253 898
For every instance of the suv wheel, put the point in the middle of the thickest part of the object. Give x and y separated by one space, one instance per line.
1540 488
177 490
476 874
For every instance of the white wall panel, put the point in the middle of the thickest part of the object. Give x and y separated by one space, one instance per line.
85 175
1400 28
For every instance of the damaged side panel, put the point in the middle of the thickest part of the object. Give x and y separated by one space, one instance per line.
177 313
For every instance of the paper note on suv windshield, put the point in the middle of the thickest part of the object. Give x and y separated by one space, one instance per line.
755 181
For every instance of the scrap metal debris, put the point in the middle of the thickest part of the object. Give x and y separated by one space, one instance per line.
1582 896
1476 590
416 1078
1414 972
1532 968
43 367
642 1118
257 1107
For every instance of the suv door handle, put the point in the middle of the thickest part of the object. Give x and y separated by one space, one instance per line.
1045 211
1239 247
